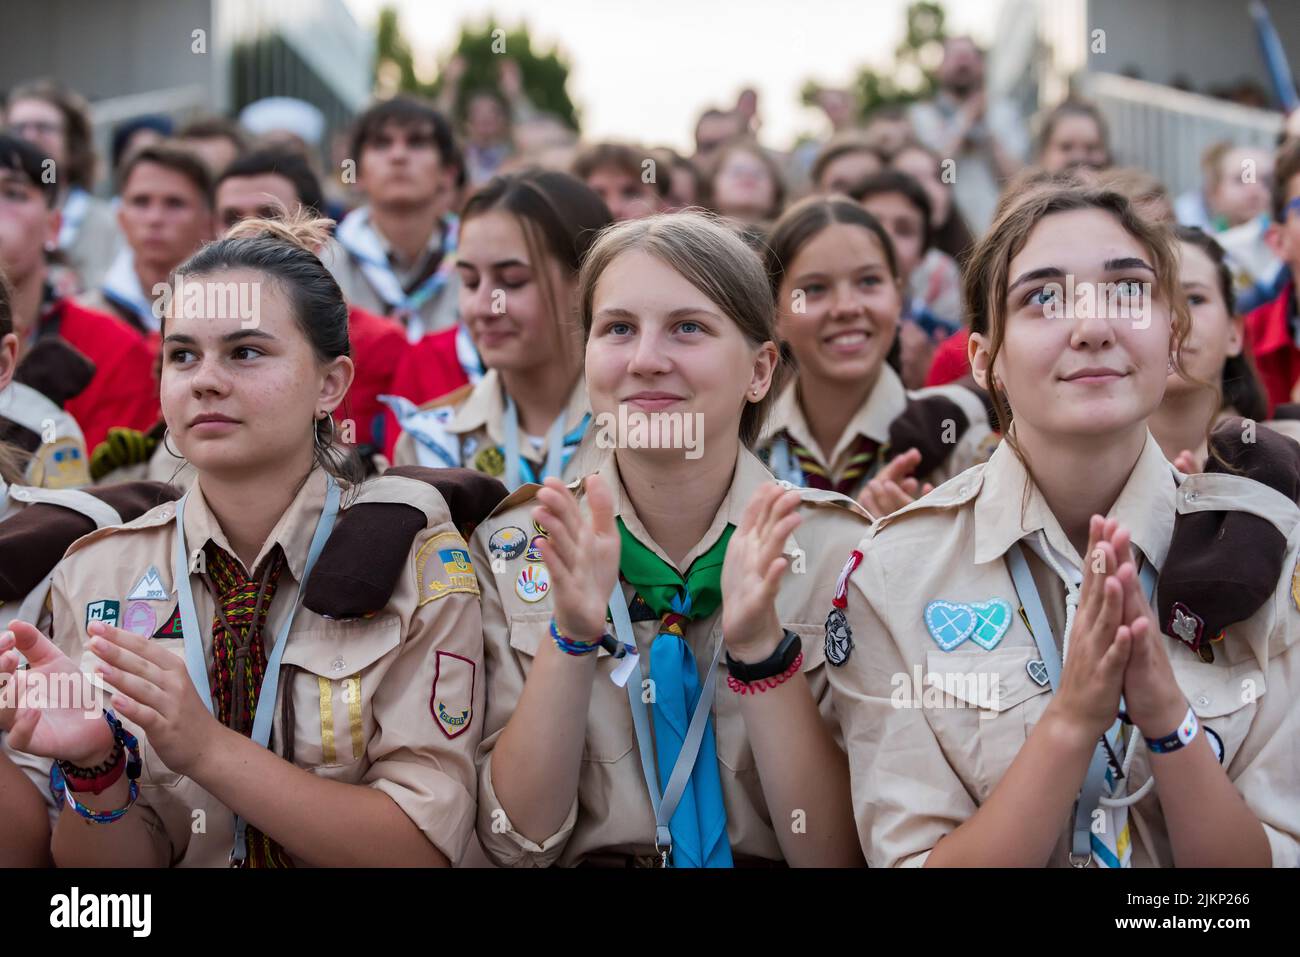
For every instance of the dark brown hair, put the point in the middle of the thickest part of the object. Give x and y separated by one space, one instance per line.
896 181
1286 168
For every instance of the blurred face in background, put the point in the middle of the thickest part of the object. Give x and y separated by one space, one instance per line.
1242 191
400 167
26 225
163 215
1076 140
905 226
242 197
42 124
1215 334
924 168
485 120
962 70
743 187
626 195
847 170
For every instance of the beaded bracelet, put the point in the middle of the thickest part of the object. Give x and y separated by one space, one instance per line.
740 687
571 647
124 741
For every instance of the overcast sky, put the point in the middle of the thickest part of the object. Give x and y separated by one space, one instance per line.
645 69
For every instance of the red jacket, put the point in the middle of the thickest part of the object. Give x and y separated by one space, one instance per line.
1268 334
378 346
123 391
950 361
429 370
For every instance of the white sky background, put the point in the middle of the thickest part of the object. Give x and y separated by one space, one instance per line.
643 70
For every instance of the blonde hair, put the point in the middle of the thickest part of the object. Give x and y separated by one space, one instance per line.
713 259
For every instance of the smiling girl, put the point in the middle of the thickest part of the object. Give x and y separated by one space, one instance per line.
839 302
294 738
1048 554
522 238
692 551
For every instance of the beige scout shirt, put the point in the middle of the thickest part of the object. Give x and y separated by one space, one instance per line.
886 403
393 702
919 772
611 811
468 425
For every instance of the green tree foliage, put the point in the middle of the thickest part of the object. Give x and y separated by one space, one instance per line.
545 73
912 76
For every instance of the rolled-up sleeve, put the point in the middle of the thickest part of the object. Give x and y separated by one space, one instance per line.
429 710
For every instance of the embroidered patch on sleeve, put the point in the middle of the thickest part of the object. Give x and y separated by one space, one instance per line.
443 567
452 700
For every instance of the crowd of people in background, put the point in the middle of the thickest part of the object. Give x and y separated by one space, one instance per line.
473 292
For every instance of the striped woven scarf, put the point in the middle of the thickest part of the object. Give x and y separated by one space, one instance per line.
239 659
861 455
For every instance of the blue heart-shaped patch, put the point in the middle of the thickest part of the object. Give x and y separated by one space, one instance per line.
949 623
992 619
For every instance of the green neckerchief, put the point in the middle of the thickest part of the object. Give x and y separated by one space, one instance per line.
662 587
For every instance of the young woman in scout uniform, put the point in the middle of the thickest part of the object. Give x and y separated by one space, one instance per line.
1216 351
971 743
668 756
243 727
522 238
846 422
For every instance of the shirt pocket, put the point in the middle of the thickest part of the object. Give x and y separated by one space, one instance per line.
1222 696
734 750
332 682
982 706
610 736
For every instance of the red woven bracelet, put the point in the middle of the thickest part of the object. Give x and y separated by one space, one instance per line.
763 684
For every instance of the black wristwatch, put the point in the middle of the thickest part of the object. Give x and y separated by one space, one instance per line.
778 662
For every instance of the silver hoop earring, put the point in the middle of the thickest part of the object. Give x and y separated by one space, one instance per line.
167 434
324 437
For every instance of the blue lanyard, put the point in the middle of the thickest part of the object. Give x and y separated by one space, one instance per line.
554 465
195 660
1094 781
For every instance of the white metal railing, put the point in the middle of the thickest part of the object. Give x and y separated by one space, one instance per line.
1165 131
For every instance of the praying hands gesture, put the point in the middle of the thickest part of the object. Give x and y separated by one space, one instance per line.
752 570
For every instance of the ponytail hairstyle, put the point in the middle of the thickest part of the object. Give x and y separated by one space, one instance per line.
284 250
13 460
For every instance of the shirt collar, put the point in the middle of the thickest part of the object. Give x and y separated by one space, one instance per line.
886 402
1146 507
749 474
293 532
485 408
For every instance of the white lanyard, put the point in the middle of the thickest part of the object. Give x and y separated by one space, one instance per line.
554 448
195 660
681 773
1094 782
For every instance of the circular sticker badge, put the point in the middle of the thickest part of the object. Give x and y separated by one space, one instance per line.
140 619
533 583
508 543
